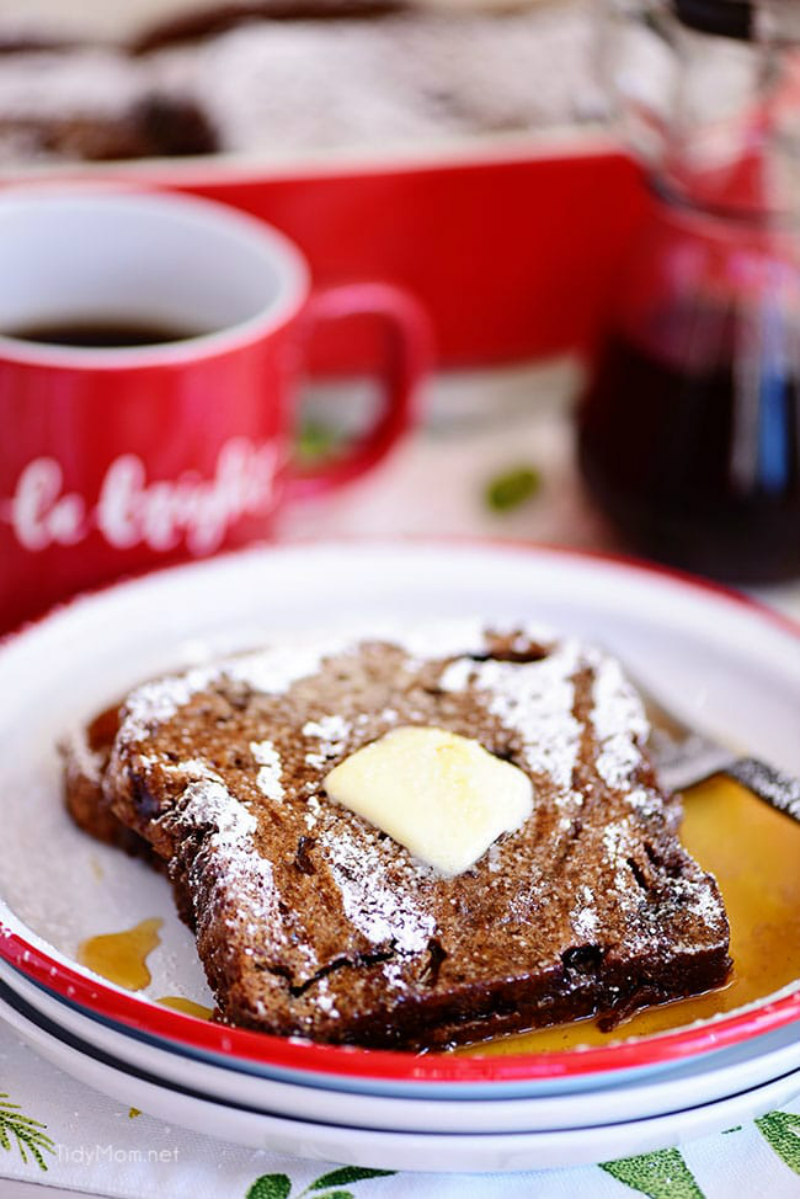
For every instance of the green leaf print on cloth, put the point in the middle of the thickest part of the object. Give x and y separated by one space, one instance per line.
27 1134
279 1186
661 1175
346 1175
270 1186
781 1131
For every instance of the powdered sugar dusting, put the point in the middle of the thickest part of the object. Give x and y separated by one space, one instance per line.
457 637
268 779
617 841
269 671
457 675
272 671
324 1000
617 759
702 901
619 722
382 914
332 733
584 917
536 700
687 893
153 703
193 768
210 803
646 803
246 873
439 639
313 811
620 843
331 730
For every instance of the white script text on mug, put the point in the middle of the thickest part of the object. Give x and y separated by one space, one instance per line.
130 510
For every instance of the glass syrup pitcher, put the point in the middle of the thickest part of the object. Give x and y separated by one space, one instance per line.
689 432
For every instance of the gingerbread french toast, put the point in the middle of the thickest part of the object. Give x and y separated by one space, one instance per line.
313 920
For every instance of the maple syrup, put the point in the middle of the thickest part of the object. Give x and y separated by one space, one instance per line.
697 465
187 1006
122 957
753 851
690 430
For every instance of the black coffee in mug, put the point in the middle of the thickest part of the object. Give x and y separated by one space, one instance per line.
107 335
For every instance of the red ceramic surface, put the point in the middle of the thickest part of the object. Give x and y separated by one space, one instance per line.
512 258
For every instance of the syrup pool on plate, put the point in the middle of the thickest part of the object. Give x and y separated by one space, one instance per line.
753 851
188 1006
122 957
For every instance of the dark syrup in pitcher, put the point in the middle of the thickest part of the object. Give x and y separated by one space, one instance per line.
698 466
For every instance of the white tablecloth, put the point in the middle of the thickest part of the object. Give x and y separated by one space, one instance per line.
102 1147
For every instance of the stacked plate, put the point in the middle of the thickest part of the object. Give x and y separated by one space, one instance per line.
727 665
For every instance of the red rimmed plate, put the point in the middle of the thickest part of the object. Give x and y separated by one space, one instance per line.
726 663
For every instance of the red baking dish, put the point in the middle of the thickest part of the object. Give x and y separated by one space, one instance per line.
511 246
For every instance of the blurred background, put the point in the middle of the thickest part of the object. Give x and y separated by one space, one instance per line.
594 202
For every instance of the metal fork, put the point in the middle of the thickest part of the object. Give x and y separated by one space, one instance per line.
684 756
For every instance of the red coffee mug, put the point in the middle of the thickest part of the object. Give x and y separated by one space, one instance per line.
118 458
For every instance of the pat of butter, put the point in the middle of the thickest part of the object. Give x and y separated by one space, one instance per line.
443 797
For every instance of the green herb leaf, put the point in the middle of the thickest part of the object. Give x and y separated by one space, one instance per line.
346 1175
270 1186
512 488
316 440
660 1175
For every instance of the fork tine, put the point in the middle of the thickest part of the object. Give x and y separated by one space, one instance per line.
681 755
660 717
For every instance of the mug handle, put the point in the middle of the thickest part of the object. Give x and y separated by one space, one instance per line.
408 361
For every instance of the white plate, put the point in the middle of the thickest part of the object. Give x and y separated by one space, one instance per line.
718 660
700 1081
381 1149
